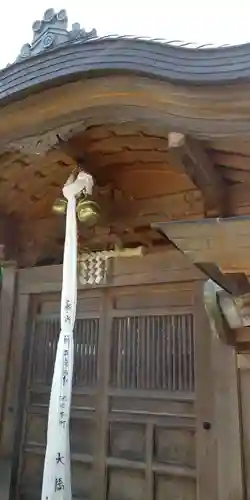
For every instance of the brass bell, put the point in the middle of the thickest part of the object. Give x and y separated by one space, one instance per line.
60 206
88 212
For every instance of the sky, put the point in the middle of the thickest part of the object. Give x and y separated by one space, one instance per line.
201 21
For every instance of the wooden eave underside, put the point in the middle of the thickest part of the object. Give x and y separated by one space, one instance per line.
205 92
115 109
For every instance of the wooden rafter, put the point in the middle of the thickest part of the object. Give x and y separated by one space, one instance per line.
190 156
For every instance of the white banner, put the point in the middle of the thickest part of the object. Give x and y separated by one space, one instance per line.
56 474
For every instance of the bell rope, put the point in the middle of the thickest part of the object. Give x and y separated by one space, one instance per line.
57 475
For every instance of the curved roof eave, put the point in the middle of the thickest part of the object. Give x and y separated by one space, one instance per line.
163 61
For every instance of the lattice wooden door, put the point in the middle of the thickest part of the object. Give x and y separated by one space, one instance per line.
133 420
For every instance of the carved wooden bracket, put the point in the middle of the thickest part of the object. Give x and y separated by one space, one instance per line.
190 156
229 316
218 322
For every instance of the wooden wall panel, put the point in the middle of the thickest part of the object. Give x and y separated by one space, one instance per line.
162 267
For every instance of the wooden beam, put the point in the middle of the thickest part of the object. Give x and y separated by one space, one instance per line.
126 212
235 284
222 242
190 156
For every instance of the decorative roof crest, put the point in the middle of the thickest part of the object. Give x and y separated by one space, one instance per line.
51 32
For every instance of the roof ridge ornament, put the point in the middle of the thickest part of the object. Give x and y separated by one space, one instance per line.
51 32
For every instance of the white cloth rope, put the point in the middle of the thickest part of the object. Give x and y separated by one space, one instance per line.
56 474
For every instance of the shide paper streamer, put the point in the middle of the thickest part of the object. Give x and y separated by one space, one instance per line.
57 474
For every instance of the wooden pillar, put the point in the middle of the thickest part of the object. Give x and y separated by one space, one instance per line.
206 445
219 427
228 423
100 470
7 300
10 402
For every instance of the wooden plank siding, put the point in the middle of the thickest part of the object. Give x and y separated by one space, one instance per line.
165 267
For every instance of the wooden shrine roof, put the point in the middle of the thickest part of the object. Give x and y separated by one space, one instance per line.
111 103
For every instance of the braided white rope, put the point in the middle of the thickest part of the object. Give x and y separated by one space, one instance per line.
57 475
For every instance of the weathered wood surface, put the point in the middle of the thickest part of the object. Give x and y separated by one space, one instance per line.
224 242
193 159
165 267
129 56
132 193
129 160
132 155
133 159
128 99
